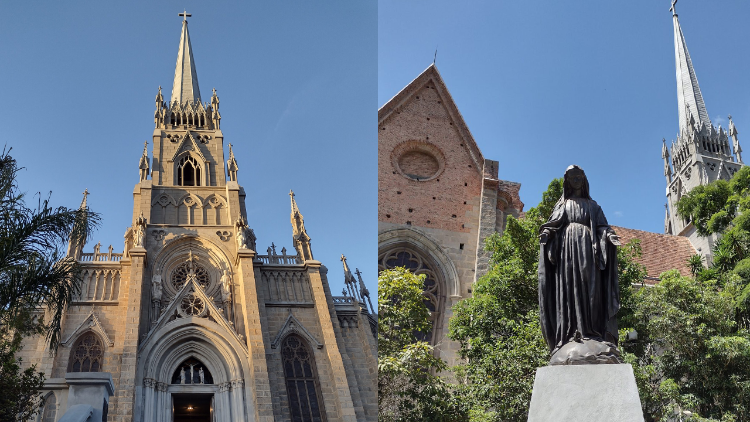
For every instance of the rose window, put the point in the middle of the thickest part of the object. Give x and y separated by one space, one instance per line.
192 305
190 271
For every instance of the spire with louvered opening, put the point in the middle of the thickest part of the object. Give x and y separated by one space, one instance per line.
689 98
185 87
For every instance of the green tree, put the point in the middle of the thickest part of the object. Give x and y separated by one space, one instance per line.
36 279
691 354
498 327
721 207
409 388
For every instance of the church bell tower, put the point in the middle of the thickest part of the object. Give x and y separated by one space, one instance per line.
701 153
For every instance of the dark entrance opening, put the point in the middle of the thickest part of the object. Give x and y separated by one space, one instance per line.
192 407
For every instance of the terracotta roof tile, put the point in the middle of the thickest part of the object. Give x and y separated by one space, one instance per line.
661 252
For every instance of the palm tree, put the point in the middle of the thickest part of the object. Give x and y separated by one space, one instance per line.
37 276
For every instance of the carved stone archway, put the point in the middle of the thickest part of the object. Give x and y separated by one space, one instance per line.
199 338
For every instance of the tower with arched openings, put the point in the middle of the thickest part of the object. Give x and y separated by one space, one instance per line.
190 321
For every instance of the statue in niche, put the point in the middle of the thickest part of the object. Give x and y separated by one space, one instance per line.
245 235
226 287
201 375
182 375
578 291
156 287
140 230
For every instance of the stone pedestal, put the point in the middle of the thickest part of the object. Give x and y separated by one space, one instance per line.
89 389
585 393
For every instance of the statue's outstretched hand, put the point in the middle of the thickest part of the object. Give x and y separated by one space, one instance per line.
615 239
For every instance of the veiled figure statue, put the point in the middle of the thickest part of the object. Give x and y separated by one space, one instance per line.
578 290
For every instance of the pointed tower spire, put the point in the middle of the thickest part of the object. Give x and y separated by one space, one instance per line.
84 203
665 157
75 248
232 166
735 140
185 87
363 290
689 98
349 280
300 239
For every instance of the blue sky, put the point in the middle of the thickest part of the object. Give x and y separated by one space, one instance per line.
546 84
297 82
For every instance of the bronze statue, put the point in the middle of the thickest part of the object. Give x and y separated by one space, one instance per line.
578 290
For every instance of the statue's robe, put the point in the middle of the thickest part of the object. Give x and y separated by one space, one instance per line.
578 290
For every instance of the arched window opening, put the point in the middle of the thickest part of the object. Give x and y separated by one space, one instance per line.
301 380
87 354
192 371
188 172
49 412
403 257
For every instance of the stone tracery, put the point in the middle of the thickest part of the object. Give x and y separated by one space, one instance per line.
413 261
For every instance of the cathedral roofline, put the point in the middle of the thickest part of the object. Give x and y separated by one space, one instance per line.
403 96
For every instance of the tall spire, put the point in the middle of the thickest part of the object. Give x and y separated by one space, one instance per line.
299 235
689 98
75 247
185 87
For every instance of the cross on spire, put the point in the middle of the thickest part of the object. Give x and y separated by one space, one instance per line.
672 9
184 15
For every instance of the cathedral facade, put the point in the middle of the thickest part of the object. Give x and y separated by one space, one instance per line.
438 198
190 322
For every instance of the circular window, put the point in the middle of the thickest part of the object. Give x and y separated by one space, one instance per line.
418 160
187 271
192 305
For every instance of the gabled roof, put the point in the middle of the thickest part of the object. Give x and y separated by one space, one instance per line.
188 143
175 312
661 252
431 74
90 323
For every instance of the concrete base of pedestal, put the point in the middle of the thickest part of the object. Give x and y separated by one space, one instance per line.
585 393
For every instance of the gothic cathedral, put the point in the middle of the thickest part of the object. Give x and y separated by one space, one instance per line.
701 153
190 323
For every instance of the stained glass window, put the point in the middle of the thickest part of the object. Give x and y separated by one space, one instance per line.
87 354
301 380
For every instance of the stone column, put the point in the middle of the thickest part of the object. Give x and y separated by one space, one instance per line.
238 404
326 316
161 389
127 390
259 389
149 405
224 412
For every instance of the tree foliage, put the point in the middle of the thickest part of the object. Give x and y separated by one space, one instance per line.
36 280
691 353
409 388
498 327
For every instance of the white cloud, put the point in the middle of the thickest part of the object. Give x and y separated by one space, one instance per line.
618 213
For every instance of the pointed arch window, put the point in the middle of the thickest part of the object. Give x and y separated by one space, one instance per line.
301 380
188 172
433 292
87 354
